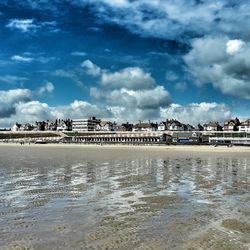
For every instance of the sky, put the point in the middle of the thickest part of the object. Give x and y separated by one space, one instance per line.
124 60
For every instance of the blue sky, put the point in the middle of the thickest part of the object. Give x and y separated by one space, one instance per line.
124 60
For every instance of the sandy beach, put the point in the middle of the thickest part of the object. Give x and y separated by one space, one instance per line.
119 148
203 148
59 196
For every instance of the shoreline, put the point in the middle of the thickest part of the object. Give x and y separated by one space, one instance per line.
167 148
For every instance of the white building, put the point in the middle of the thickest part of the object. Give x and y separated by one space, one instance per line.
245 126
16 127
64 125
231 125
85 124
162 126
212 126
104 126
174 125
145 127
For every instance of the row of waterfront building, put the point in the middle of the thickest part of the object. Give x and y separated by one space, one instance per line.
94 124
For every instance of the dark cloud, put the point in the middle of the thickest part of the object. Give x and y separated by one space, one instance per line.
176 19
9 100
162 19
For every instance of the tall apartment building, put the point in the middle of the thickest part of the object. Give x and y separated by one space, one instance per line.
85 124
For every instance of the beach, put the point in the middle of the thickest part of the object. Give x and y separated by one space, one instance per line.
191 148
119 151
60 196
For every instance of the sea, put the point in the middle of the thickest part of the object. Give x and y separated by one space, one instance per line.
99 197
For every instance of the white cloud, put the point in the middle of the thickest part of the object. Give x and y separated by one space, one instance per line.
91 68
70 75
122 114
163 19
24 25
123 105
44 59
24 59
10 79
175 19
17 106
49 26
234 46
180 86
140 99
171 76
10 99
107 50
131 78
48 87
195 113
28 57
130 90
116 3
78 53
222 62
32 111
31 25
95 29
78 109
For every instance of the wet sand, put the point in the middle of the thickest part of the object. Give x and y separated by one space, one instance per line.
139 197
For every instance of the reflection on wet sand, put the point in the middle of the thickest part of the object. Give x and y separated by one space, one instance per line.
168 202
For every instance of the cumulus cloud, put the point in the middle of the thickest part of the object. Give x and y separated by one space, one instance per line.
222 62
32 111
140 99
234 46
79 109
10 99
75 110
123 114
131 78
36 111
130 90
48 87
195 113
18 105
91 68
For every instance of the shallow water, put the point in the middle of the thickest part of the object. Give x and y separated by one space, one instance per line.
122 199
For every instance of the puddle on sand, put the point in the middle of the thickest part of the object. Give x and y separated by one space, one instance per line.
73 201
